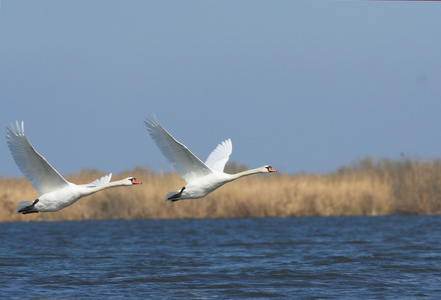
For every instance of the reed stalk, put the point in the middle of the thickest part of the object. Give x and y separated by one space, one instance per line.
365 187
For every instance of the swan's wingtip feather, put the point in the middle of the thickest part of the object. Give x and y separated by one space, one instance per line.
152 121
105 179
229 142
17 129
99 181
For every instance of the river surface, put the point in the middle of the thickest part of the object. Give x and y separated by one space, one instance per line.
393 257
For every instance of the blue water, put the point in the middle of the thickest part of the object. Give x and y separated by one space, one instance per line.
304 258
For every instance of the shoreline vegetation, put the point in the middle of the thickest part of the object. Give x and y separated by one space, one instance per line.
365 187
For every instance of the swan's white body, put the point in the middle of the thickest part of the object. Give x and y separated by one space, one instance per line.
55 191
201 178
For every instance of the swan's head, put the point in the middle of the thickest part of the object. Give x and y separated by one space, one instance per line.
268 168
132 181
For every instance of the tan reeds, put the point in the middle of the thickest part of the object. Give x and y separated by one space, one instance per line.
407 186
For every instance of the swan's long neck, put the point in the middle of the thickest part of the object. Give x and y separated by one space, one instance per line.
245 173
92 190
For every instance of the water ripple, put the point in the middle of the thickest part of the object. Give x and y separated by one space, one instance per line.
311 258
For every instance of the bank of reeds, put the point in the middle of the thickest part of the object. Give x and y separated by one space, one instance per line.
366 187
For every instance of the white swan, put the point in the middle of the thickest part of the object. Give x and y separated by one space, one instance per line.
55 191
201 178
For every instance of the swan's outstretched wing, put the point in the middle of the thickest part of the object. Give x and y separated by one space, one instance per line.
100 181
43 177
218 158
188 165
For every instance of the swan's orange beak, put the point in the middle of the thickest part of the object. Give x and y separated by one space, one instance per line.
134 181
270 169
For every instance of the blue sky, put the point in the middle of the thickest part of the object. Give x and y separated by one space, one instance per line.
300 85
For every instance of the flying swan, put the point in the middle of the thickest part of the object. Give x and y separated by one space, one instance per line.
55 191
201 178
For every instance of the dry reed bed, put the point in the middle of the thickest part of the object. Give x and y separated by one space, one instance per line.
364 188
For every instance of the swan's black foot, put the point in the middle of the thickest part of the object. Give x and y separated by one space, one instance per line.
30 212
176 197
29 209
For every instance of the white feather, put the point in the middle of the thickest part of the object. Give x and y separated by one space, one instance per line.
188 165
217 159
201 178
55 191
36 169
100 181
